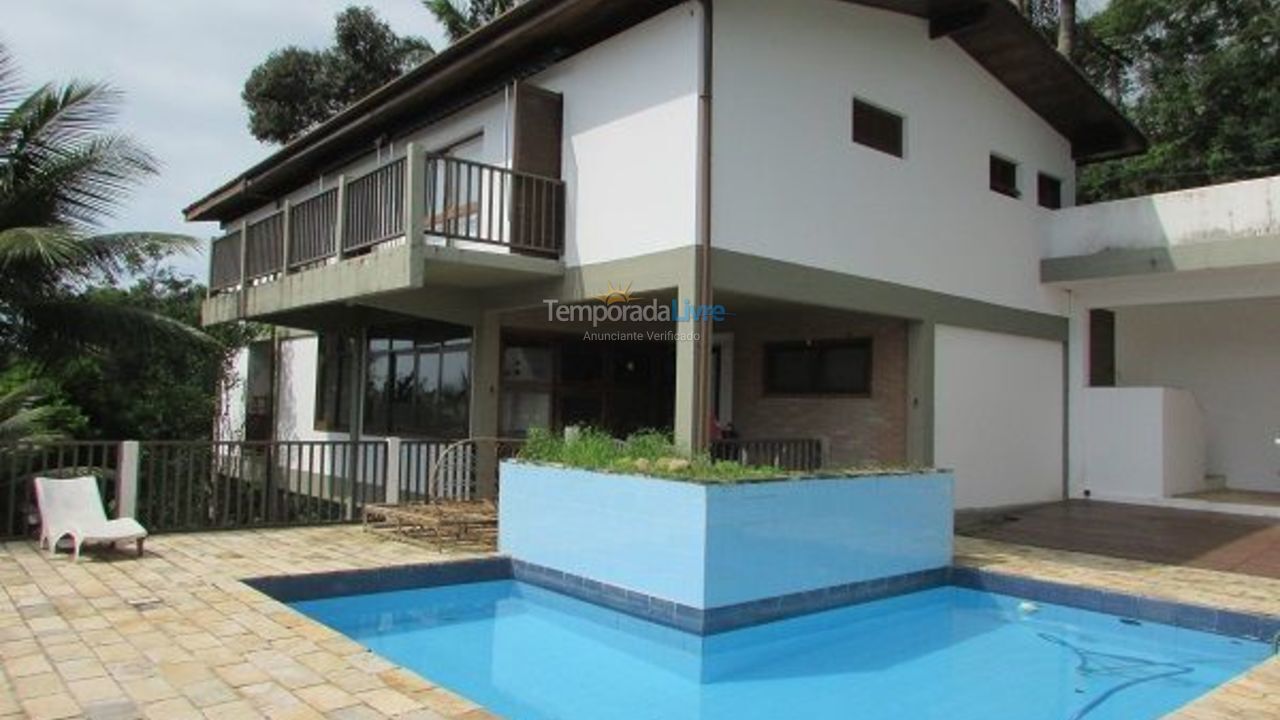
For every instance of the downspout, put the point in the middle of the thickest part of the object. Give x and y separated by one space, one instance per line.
704 290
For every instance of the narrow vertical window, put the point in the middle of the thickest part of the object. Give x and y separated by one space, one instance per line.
877 128
1048 191
1004 176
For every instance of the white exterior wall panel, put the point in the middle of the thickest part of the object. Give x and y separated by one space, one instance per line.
790 183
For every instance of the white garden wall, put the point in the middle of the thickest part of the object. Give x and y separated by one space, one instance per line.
1227 355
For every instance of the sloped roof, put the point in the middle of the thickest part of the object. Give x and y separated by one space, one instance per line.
537 33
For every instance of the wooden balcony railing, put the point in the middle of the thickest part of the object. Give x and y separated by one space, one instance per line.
224 262
799 454
374 208
474 202
455 200
265 254
313 229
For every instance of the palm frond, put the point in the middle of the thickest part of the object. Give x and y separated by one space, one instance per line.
10 81
61 165
28 425
70 325
455 21
21 420
48 248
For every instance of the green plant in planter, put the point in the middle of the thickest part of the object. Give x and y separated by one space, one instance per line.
647 452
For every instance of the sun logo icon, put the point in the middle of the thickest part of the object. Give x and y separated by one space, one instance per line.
616 295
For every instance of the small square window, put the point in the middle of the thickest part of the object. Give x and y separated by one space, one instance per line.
1049 191
1004 176
877 128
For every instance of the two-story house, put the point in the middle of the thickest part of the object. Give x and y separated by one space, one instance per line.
819 222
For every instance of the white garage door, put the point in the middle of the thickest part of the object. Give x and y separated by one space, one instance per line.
998 416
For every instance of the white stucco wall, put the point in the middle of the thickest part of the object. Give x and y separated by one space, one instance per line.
1228 356
1142 443
790 184
296 391
1229 211
631 138
998 416
229 425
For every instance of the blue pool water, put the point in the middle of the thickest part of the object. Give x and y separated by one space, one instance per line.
947 653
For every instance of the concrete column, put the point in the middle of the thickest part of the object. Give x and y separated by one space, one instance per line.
921 356
244 254
486 361
393 471
127 479
286 230
355 429
415 188
690 422
340 222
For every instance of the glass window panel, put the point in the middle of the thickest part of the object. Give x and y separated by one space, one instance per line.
523 410
788 369
376 393
528 364
402 391
453 392
580 363
845 369
632 367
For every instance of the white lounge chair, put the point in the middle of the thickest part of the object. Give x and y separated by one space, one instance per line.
73 507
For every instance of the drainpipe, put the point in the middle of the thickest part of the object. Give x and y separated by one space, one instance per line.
702 283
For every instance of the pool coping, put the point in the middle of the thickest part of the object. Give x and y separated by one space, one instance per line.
711 621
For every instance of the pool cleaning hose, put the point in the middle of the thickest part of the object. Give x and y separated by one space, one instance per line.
1093 663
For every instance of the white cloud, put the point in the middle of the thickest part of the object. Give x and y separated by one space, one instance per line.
181 65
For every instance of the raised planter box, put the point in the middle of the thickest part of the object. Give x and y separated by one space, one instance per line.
647 541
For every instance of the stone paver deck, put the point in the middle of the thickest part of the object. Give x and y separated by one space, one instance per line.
176 635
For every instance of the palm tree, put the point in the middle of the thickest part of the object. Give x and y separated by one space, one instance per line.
459 21
63 172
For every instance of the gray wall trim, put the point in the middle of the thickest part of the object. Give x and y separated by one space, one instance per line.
790 282
1121 262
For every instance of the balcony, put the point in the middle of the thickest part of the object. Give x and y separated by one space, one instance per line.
510 222
1218 227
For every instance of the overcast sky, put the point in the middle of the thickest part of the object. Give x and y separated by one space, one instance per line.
181 65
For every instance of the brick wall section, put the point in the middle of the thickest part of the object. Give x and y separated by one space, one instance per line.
854 430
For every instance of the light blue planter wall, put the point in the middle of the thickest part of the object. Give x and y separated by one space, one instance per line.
712 546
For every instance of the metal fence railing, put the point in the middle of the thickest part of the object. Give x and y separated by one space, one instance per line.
21 463
799 454
177 486
213 485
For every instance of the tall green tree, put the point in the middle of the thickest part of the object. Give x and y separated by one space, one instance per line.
461 17
63 172
1200 77
295 89
165 389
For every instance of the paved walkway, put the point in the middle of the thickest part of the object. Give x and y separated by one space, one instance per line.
1190 538
174 635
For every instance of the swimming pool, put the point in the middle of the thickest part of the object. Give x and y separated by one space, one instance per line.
950 653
